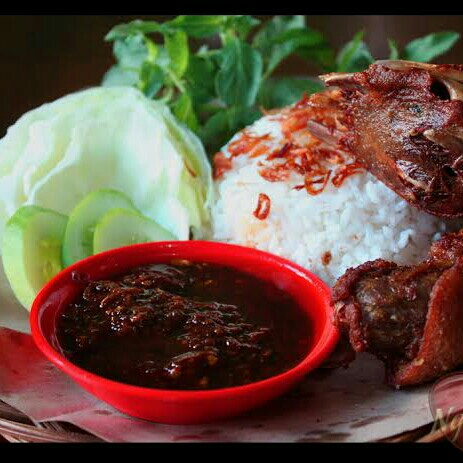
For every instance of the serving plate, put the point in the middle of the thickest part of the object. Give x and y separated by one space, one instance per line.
15 427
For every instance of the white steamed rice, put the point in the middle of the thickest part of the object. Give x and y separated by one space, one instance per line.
359 221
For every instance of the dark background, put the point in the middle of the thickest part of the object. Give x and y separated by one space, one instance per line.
45 57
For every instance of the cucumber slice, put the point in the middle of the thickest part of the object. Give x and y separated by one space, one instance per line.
78 238
31 250
121 227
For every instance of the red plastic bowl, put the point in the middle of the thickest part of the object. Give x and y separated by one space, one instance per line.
185 407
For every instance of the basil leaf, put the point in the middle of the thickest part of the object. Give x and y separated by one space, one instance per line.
130 51
302 37
216 131
277 93
152 49
264 40
220 127
134 27
354 56
200 79
322 55
184 111
431 46
393 50
240 73
176 44
198 26
304 41
151 79
241 25
118 76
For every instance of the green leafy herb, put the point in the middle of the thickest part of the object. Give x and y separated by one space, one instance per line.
225 123
130 51
123 31
178 51
265 41
183 110
150 79
198 26
220 87
276 93
118 75
199 78
354 56
240 73
431 46
393 49
241 25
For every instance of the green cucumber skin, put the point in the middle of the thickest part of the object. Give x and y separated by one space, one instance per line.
78 238
123 227
31 250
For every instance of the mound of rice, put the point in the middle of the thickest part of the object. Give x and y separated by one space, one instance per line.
326 233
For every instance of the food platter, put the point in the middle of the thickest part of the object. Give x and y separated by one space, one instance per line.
347 197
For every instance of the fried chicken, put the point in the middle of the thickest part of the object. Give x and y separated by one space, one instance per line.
404 124
411 317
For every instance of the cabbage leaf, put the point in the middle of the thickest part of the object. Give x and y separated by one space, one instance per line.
107 137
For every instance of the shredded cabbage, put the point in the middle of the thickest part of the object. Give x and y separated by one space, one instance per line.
107 137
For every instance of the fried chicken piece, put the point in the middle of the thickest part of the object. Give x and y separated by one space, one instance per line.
447 249
405 125
411 317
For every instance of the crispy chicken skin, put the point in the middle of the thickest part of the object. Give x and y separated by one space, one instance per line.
405 125
411 317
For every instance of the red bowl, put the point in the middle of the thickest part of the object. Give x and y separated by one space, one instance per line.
185 407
